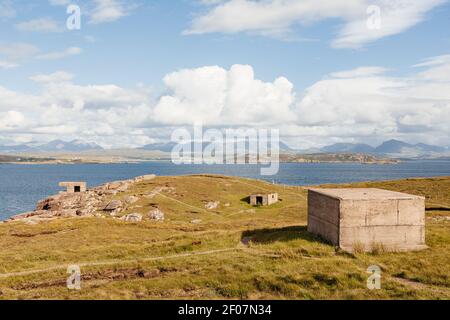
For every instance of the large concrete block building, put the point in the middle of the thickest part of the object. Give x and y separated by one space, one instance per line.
365 219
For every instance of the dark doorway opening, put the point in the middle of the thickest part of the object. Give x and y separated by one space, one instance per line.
259 201
77 189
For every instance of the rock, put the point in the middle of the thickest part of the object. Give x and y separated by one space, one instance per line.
156 215
227 205
70 213
131 199
133 217
212 205
113 205
113 185
196 221
123 188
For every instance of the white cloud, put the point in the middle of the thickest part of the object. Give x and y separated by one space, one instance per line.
56 77
397 16
72 51
103 11
12 54
39 25
376 107
359 72
361 105
7 65
105 113
11 120
17 51
217 96
278 17
438 68
109 10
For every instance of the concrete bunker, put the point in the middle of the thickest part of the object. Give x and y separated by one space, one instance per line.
367 219
263 199
74 187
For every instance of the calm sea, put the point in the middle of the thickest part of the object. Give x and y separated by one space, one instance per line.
22 186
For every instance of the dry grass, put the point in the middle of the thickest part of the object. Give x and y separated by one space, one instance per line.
272 256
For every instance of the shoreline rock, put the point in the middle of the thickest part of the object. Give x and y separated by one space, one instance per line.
84 204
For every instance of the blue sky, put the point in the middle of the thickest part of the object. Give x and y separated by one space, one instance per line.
134 45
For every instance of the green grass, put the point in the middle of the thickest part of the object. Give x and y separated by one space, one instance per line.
280 260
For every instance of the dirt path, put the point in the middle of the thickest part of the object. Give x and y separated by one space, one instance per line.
114 262
187 204
422 286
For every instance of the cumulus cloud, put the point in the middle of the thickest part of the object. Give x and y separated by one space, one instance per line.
275 17
349 107
366 104
214 95
105 113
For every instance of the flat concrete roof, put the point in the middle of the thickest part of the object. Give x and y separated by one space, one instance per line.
364 194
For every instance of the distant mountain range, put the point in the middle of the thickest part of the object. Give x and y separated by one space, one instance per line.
52 146
168 147
391 148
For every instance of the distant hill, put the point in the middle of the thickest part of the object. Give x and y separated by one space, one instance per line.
14 149
168 147
52 146
164 147
391 148
400 148
335 157
71 146
348 147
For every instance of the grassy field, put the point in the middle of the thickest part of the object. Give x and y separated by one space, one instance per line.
233 252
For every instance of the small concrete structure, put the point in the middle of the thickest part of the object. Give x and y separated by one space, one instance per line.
263 199
74 187
367 219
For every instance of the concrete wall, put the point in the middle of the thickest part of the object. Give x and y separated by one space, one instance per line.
323 216
367 219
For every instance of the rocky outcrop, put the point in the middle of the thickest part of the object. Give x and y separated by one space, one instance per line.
156 215
84 204
133 217
212 205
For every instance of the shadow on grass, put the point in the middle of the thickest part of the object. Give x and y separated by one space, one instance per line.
246 200
437 209
265 236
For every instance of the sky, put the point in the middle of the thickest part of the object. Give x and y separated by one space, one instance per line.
320 71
